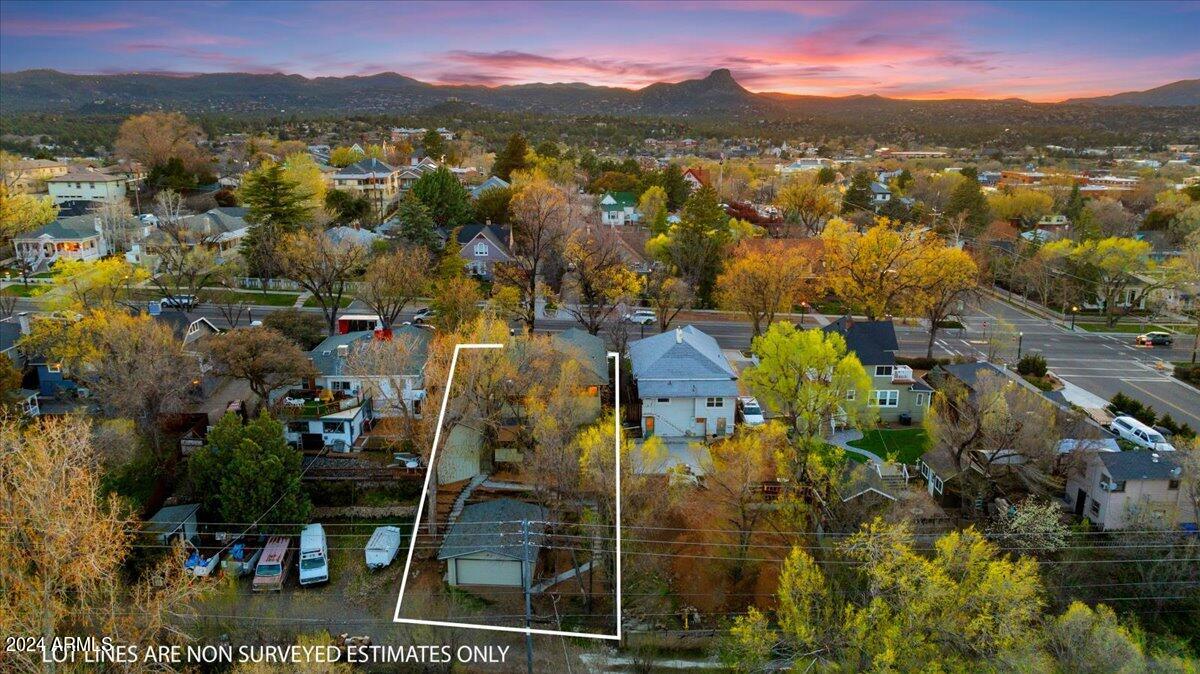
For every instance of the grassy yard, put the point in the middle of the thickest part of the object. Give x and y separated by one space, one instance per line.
22 290
312 302
266 299
1125 328
904 445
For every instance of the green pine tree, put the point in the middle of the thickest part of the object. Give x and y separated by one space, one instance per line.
416 223
858 196
448 201
511 158
968 198
244 471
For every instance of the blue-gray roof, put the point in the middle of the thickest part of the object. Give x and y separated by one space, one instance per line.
327 362
874 342
370 165
72 228
683 362
593 349
495 527
1139 464
493 182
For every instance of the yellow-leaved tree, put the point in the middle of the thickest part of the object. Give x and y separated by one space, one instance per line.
878 271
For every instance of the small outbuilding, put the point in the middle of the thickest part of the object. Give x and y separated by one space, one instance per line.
172 521
488 544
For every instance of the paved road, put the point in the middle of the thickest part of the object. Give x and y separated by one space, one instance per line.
1100 364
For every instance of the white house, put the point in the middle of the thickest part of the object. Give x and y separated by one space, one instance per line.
619 208
880 194
1112 486
72 238
331 357
87 185
685 383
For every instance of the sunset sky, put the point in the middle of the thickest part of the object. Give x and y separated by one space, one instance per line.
1038 51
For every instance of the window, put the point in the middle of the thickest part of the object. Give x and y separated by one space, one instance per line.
331 427
851 394
1173 484
298 426
1120 486
714 402
663 400
1095 507
481 249
339 385
883 370
885 398
920 401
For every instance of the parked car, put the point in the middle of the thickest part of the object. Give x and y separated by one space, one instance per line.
423 315
314 555
750 410
1140 434
181 302
1154 339
273 565
640 317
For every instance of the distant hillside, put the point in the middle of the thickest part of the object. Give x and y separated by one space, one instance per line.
717 97
1183 92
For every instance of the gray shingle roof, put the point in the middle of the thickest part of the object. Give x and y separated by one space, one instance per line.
683 362
73 228
325 357
493 182
593 350
368 166
874 342
1139 464
495 527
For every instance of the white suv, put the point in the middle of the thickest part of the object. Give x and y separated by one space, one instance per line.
1140 434
641 317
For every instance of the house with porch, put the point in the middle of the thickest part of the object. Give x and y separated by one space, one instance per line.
392 392
686 386
482 247
897 393
369 177
79 237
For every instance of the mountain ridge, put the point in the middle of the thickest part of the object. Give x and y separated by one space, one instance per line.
717 94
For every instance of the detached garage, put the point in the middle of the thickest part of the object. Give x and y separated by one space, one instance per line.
486 546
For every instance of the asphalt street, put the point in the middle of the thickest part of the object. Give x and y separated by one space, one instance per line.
1101 364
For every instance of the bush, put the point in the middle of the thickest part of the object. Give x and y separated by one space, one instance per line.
1122 404
921 362
303 327
1032 365
1189 372
1181 430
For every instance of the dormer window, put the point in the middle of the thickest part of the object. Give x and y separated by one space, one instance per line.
883 370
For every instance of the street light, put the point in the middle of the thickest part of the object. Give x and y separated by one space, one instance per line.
1074 310
1020 338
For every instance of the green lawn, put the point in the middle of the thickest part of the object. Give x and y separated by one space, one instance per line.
22 290
267 299
312 302
1126 328
904 445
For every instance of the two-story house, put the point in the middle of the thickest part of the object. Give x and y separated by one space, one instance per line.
619 208
29 176
482 247
79 237
392 392
897 393
1111 487
880 194
87 185
369 177
686 386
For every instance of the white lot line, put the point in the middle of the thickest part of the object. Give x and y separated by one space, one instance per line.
431 468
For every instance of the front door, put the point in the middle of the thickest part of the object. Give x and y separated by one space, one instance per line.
1080 502
649 426
721 426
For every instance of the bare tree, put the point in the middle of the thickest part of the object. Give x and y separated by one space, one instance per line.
598 276
262 357
541 215
323 268
667 295
393 280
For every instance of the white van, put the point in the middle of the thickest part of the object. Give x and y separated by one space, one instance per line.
1140 434
314 555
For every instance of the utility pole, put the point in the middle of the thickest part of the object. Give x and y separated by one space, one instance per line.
525 584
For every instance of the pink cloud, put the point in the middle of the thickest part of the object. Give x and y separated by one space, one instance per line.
46 28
